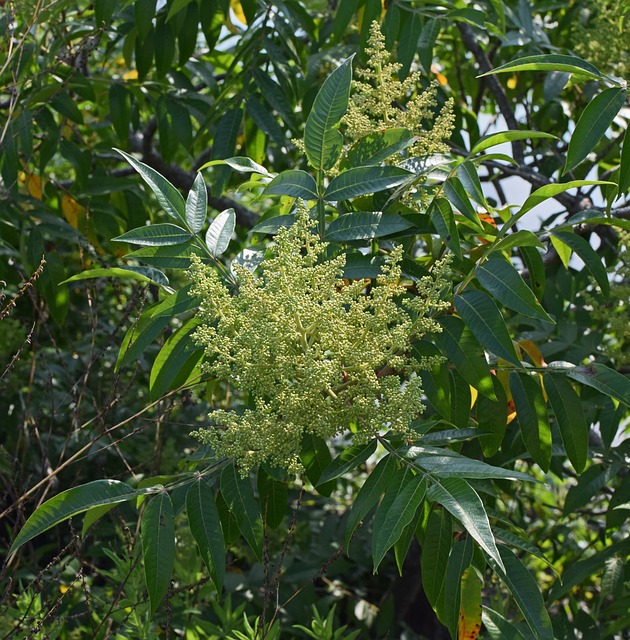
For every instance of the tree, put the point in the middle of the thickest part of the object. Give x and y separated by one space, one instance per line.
431 369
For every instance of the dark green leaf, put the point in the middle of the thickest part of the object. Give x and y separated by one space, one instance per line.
449 467
549 62
363 180
455 192
449 605
294 183
604 379
589 484
443 220
347 460
377 146
315 457
155 235
494 139
274 496
365 225
166 256
467 174
436 548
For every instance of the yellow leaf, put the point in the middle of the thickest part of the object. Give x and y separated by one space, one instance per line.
130 75
441 78
470 606
34 186
473 396
511 83
239 14
71 210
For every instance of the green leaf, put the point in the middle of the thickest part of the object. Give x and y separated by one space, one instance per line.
518 542
197 204
595 217
93 515
443 220
485 321
455 192
241 164
238 494
205 526
492 419
604 379
567 407
224 144
363 180
498 627
347 460
220 232
467 175
503 281
116 272
463 502
177 362
449 605
170 199
436 549
450 467
369 494
531 410
536 268
377 146
468 621
549 62
462 349
521 238
175 256
624 167
274 497
315 457
595 478
273 225
155 235
294 183
593 124
389 526
494 139
364 225
158 547
526 593
591 260
323 143
69 503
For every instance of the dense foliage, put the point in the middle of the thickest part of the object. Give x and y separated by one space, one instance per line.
385 391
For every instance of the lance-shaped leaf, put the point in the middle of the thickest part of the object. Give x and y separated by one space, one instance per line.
220 232
441 214
377 146
238 494
449 467
158 547
293 183
365 225
589 484
604 379
397 510
567 407
469 624
170 199
533 419
166 257
449 604
494 139
521 238
457 196
549 62
205 526
492 419
69 503
360 181
242 164
322 141
503 281
197 204
485 321
370 493
463 502
536 268
347 460
315 456
274 496
436 549
525 592
498 627
154 235
624 166
591 260
593 124
144 274
469 178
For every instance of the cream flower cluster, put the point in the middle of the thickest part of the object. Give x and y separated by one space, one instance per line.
311 353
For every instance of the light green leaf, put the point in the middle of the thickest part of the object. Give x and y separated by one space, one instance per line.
520 238
197 204
241 164
205 526
604 379
93 515
436 549
463 502
238 494
531 410
220 232
294 183
273 225
503 281
154 235
525 592
567 407
593 124
347 460
494 139
69 503
177 362
363 180
563 250
364 225
322 141
369 494
115 272
377 146
549 62
170 199
592 261
443 220
485 321
449 467
158 547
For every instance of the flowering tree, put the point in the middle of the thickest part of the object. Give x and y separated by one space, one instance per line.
372 325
